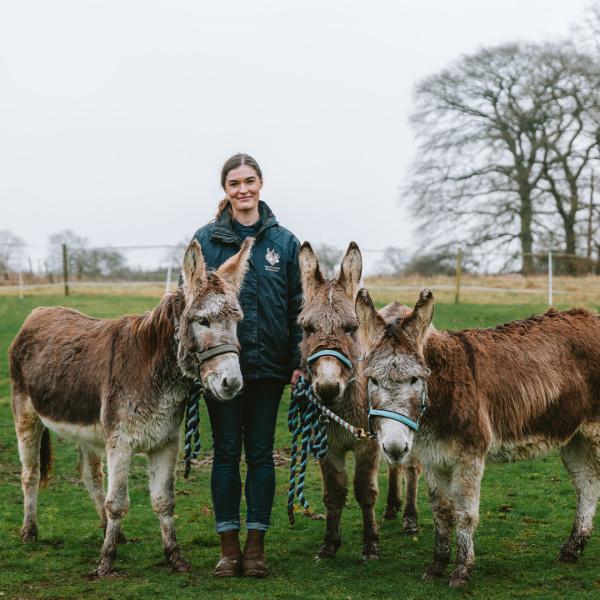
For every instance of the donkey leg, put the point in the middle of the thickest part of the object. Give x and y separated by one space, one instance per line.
581 460
335 490
29 429
442 508
366 463
90 468
161 472
466 485
394 496
118 462
412 472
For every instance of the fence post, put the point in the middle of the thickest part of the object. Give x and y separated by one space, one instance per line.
168 279
549 278
20 272
65 270
458 269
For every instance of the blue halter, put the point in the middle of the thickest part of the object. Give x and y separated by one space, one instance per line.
341 357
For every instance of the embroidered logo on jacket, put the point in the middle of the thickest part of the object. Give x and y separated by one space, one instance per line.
273 258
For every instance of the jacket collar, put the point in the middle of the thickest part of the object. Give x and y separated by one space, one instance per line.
223 229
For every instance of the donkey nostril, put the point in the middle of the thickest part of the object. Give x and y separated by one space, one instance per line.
395 452
327 389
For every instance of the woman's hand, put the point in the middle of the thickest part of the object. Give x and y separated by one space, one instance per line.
298 373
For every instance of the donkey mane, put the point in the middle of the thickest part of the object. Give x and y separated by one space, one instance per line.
393 333
324 292
214 285
154 330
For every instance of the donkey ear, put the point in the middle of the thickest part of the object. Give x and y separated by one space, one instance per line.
233 269
194 267
416 325
351 270
370 322
310 272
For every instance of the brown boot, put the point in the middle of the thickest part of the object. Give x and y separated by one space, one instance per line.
230 564
255 564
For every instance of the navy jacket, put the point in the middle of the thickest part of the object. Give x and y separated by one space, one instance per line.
271 294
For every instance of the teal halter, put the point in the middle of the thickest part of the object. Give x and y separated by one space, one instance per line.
341 357
388 414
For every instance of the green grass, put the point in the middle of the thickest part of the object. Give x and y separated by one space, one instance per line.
526 513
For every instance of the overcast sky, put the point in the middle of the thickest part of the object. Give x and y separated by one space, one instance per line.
116 116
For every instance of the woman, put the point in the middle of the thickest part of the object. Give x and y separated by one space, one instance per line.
269 336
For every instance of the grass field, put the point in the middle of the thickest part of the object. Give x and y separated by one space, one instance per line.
527 511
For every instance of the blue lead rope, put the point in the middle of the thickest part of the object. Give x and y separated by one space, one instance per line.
192 428
303 423
308 419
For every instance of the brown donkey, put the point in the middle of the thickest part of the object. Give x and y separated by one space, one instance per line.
509 393
329 323
118 386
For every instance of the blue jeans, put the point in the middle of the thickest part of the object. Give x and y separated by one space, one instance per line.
250 419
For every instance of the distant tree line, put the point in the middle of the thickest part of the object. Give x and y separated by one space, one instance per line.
83 263
509 150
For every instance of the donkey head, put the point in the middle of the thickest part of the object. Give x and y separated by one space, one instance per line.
396 371
329 323
209 321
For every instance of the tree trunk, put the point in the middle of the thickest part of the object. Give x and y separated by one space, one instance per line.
525 235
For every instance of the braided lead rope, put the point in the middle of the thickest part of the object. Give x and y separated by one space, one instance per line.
293 415
359 433
303 423
304 418
192 428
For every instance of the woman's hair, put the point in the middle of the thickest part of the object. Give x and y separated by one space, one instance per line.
237 160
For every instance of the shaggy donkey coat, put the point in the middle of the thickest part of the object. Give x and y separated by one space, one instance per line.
509 393
119 386
329 322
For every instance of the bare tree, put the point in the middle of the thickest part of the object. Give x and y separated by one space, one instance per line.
571 136
329 257
9 251
173 255
393 261
76 246
492 129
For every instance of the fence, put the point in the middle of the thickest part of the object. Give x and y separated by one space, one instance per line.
458 277
62 268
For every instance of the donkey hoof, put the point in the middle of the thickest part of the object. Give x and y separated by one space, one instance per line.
410 527
389 514
29 534
179 564
371 552
326 551
568 553
106 570
434 571
460 576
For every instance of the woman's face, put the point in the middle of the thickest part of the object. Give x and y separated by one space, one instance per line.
243 188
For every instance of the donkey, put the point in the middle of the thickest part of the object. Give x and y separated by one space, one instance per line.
119 386
330 330
509 393
412 469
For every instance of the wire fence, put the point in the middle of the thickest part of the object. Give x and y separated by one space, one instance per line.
554 277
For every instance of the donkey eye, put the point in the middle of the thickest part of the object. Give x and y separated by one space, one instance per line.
309 329
200 320
350 330
413 380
